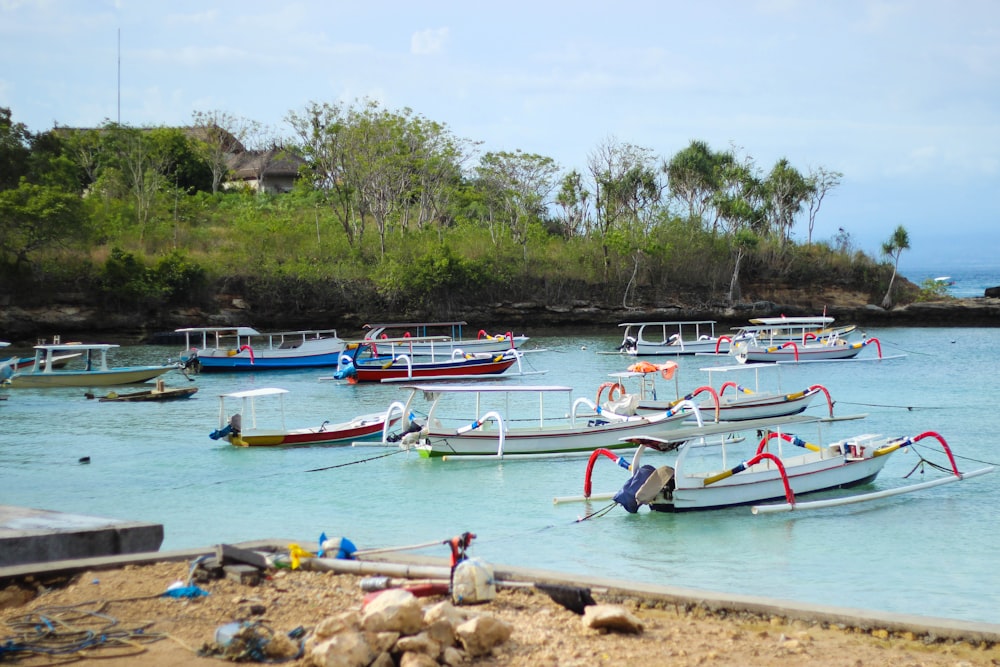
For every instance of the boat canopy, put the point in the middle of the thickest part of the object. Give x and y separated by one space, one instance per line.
254 393
672 324
486 388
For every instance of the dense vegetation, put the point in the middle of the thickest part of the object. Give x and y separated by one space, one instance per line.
392 209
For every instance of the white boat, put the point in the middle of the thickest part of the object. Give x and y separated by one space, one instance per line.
242 430
764 349
643 339
799 329
781 466
439 338
509 421
90 369
246 349
731 400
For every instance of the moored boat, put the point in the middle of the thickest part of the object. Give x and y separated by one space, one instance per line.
160 392
44 371
439 338
732 400
246 349
800 329
643 339
519 421
782 466
242 430
832 348
387 360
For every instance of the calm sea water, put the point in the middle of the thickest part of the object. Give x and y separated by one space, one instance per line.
930 553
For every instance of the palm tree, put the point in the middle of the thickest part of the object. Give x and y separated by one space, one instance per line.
894 247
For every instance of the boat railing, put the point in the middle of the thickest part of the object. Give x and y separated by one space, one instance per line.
502 430
598 410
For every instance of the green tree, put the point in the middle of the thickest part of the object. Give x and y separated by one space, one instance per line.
519 184
626 191
324 138
694 176
786 190
894 247
219 135
36 217
821 181
14 150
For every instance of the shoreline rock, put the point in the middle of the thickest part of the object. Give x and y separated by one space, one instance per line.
26 326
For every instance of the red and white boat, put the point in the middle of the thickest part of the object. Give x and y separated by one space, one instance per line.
242 430
731 401
388 360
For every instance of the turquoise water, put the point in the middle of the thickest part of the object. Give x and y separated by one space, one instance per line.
930 553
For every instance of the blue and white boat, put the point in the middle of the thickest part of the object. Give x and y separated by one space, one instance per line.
246 349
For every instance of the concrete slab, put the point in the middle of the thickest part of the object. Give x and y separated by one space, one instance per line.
29 535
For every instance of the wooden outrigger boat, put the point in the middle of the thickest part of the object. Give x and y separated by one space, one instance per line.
45 371
831 348
795 328
782 467
159 393
732 401
438 338
246 349
642 339
241 428
388 360
501 422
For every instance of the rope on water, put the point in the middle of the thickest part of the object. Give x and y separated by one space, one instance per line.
901 349
597 513
911 408
350 463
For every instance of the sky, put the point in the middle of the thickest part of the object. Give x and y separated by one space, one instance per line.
901 97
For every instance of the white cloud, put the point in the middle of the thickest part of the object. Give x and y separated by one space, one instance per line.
428 42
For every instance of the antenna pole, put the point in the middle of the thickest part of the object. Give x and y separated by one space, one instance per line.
119 76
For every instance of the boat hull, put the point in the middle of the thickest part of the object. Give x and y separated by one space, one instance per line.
368 427
581 440
788 354
377 372
446 348
111 377
220 360
680 348
763 483
167 394
739 408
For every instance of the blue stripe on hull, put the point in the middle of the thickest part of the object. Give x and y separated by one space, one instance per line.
264 364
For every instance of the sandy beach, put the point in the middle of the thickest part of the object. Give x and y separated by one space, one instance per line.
128 602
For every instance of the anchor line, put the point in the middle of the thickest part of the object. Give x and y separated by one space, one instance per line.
957 456
350 463
903 407
902 349
597 513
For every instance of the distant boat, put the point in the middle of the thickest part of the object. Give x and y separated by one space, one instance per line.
160 393
944 280
436 344
246 349
95 372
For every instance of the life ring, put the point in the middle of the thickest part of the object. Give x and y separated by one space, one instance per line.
615 391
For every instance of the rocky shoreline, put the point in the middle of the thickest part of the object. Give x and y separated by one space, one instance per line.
26 326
